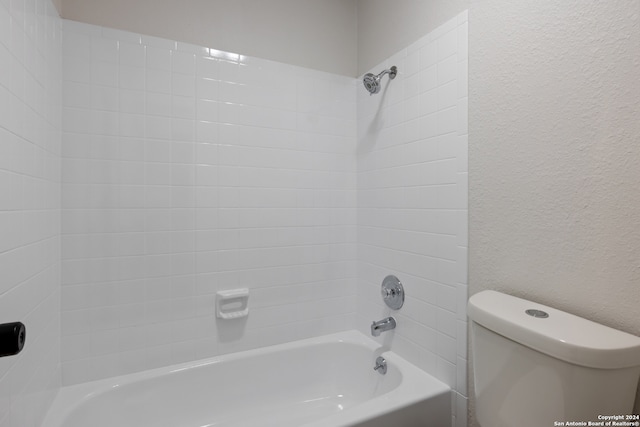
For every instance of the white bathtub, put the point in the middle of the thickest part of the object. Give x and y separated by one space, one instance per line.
320 382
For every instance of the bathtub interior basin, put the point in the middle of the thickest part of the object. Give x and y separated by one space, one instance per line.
327 381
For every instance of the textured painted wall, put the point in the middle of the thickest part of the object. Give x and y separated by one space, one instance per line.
554 155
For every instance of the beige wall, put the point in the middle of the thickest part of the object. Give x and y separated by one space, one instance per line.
340 36
554 154
310 33
58 5
385 27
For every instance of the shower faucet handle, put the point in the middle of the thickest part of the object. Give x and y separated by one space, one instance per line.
392 292
388 292
381 365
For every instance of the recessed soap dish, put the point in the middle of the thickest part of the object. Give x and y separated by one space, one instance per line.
232 303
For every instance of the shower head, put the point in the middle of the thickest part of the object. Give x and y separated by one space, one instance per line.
372 81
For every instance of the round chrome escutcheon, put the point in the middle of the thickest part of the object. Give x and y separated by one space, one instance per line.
392 292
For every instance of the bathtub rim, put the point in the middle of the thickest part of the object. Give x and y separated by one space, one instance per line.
415 386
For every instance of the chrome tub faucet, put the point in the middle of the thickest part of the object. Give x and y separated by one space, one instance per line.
380 326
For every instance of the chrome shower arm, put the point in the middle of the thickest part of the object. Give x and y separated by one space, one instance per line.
391 71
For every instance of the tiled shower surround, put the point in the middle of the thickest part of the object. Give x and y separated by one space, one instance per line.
412 204
186 170
30 99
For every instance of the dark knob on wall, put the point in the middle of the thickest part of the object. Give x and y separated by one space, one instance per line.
12 338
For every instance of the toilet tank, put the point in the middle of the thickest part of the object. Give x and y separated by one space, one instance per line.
537 366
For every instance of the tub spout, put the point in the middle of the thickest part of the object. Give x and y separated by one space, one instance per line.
382 325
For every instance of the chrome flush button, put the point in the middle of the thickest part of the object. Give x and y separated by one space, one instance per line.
537 313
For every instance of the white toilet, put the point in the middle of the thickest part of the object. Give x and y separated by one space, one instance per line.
537 366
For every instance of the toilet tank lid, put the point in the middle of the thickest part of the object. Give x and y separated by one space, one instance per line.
561 335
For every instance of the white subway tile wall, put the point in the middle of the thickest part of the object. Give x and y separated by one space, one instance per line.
185 171
30 99
412 204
